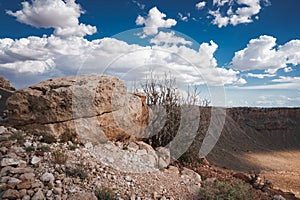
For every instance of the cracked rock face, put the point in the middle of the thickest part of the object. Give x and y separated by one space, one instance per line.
95 107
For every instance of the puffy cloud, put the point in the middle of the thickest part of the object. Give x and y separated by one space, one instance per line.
63 54
264 54
242 14
41 14
221 2
200 5
154 21
48 56
169 38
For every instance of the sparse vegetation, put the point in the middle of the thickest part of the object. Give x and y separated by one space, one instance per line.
189 159
72 147
48 138
168 105
29 149
105 193
162 93
19 137
220 190
68 136
77 171
59 157
44 148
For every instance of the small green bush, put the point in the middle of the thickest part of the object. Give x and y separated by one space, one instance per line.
105 193
59 157
224 190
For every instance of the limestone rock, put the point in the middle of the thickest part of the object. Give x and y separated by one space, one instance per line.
35 160
24 185
5 84
11 194
278 197
47 177
2 129
190 174
95 107
12 182
9 162
38 195
28 176
163 156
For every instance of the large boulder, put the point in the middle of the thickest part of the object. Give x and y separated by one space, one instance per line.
94 107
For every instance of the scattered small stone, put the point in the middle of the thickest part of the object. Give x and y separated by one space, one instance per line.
21 170
128 178
36 184
49 193
278 197
26 197
30 192
35 160
38 195
12 182
27 144
23 192
2 129
24 184
57 191
88 145
27 176
3 150
47 177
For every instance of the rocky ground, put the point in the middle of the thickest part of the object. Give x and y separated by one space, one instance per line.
37 167
58 153
33 169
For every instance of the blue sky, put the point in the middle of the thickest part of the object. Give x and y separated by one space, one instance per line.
239 52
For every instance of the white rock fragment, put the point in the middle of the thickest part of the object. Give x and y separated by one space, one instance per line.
35 160
47 177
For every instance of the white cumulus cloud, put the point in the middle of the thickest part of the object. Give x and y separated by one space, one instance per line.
244 13
154 21
263 53
58 14
200 5
32 59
